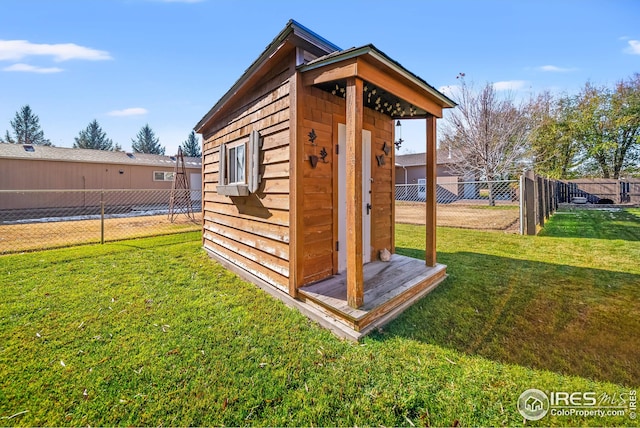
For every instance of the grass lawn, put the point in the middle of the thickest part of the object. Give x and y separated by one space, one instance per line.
151 332
603 223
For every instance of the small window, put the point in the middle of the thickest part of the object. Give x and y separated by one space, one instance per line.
162 176
237 165
131 156
28 148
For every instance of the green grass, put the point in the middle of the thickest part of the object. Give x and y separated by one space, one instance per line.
570 305
604 223
151 332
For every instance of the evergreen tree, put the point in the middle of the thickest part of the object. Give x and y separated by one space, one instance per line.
191 147
26 129
7 138
147 142
93 137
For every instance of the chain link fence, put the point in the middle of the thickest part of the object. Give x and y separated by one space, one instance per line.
40 219
484 205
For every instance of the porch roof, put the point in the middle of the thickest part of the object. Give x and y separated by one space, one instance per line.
389 87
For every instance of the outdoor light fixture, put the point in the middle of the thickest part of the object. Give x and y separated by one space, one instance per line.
399 140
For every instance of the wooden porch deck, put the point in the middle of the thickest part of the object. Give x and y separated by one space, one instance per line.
389 288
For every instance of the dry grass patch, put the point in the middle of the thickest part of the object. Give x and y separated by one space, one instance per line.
36 236
469 216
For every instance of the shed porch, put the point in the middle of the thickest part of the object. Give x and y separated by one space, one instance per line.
389 288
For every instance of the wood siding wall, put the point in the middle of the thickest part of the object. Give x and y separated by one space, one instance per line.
322 113
252 232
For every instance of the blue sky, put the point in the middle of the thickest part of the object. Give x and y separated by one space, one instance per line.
127 63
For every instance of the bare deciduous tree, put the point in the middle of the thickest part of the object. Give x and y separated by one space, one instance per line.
488 135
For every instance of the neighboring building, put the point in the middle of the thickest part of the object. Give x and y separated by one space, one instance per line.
298 161
27 167
411 177
412 167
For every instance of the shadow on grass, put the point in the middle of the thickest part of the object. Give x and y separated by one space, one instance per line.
594 223
570 320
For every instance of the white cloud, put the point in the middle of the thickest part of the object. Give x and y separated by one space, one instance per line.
633 48
509 85
555 69
32 69
15 50
133 111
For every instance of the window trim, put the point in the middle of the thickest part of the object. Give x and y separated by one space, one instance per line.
252 179
166 176
232 163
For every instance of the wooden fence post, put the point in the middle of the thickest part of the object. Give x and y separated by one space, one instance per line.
522 205
540 197
102 217
529 203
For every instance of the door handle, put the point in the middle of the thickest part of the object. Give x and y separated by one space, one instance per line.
369 208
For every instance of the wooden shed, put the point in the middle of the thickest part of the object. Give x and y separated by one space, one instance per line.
298 179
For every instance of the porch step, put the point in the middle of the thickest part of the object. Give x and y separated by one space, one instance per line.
389 289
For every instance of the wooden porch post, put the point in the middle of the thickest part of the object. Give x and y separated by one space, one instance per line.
296 162
355 285
430 249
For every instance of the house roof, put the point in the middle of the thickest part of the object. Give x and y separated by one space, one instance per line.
63 154
376 53
326 54
292 28
420 159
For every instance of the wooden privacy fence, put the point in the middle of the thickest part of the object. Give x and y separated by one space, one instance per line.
600 190
540 196
539 199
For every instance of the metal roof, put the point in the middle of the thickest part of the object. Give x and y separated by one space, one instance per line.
292 27
63 154
333 54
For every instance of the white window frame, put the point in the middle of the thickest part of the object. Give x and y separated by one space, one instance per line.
166 175
237 164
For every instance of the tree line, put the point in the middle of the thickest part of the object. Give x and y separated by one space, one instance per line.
26 130
595 133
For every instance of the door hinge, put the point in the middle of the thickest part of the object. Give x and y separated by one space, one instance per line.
337 245
337 149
